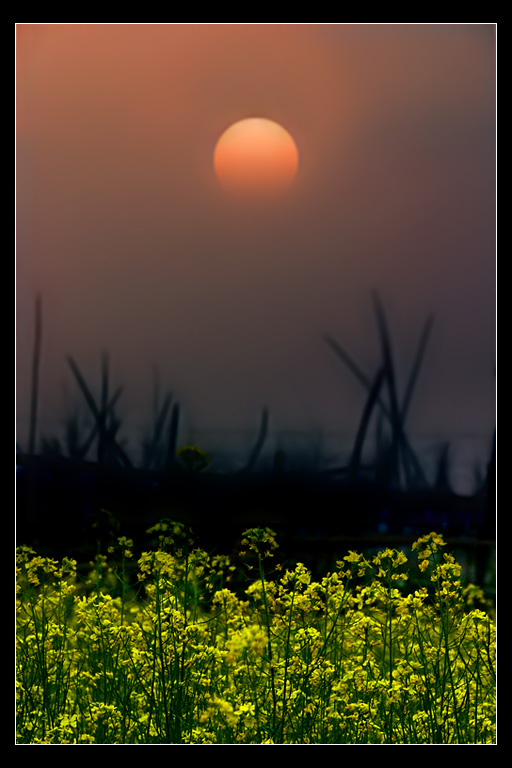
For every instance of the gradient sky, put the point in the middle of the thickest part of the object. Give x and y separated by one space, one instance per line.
125 232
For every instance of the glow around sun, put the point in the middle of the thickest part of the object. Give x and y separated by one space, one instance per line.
256 157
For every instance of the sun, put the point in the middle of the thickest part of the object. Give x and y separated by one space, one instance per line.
256 158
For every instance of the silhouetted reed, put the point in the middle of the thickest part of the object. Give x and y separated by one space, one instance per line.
401 458
106 423
348 500
173 438
260 442
151 448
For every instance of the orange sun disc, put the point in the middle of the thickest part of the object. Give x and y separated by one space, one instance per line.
256 157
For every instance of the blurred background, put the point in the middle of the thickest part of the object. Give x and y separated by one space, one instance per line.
258 320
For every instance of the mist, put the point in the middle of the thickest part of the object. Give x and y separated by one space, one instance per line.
123 232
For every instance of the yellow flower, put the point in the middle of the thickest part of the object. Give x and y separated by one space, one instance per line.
251 638
352 557
261 541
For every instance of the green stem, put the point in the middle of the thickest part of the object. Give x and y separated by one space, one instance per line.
270 659
162 660
286 660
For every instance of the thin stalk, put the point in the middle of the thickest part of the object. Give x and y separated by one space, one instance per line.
158 429
181 674
286 662
98 415
262 436
445 632
363 426
424 661
102 421
416 366
391 657
270 659
151 697
396 424
173 437
161 658
352 365
477 680
252 683
385 410
123 586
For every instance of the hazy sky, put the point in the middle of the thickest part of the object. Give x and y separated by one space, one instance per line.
125 232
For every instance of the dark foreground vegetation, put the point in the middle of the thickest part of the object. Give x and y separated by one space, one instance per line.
181 647
73 498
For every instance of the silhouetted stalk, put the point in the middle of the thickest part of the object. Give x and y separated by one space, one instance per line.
416 367
396 424
358 373
401 446
98 416
363 426
393 412
173 437
442 481
262 436
160 419
102 414
94 431
362 378
420 475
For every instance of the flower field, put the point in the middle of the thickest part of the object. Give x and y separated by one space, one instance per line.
176 646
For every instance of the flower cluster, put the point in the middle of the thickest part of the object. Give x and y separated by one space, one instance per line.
260 541
426 547
174 653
